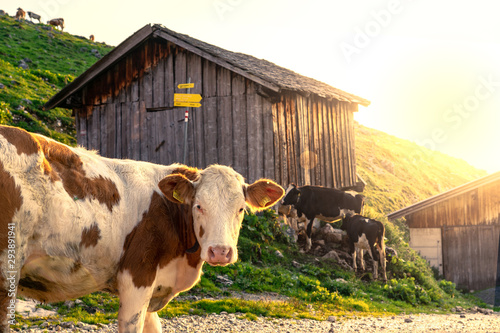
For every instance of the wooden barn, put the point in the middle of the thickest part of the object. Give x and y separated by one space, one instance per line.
458 232
262 119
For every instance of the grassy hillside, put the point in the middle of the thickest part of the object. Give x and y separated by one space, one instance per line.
297 285
51 59
399 173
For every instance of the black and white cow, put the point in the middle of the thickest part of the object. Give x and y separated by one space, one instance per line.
324 203
366 234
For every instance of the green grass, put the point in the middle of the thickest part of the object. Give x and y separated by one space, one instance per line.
54 60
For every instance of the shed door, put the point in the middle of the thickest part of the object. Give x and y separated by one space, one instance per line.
471 255
427 242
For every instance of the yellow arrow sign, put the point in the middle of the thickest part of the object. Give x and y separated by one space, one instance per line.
185 85
187 98
186 104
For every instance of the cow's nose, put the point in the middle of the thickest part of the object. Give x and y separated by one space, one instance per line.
220 255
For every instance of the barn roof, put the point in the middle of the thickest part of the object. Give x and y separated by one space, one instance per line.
261 71
444 196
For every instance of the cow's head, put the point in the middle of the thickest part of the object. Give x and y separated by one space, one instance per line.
292 195
218 196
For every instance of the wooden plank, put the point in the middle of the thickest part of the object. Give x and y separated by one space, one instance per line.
277 146
135 132
289 116
118 124
125 128
196 71
167 150
321 137
335 154
285 179
255 135
327 142
269 138
144 134
103 148
110 129
210 131
240 157
180 76
305 177
224 115
310 130
317 143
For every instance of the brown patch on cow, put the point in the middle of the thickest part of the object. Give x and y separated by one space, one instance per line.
69 168
22 140
90 236
10 202
202 231
164 233
192 174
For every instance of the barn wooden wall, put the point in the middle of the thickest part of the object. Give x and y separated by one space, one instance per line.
470 224
306 140
314 141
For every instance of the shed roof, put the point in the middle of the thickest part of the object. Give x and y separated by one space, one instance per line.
444 196
261 71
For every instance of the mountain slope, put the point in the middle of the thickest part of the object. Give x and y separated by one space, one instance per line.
35 62
399 173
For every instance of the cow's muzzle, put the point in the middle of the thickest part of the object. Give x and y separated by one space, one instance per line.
220 255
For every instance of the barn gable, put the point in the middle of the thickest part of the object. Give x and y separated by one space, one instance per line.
460 229
264 120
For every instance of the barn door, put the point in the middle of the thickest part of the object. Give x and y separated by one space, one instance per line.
427 242
470 255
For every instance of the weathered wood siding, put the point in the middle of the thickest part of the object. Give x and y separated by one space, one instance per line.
470 224
292 138
314 141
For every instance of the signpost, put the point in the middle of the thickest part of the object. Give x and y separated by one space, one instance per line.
189 101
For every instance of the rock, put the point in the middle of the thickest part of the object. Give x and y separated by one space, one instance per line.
278 254
27 60
23 65
223 279
67 324
69 304
408 320
332 255
96 53
332 319
44 325
27 101
2 86
296 264
78 302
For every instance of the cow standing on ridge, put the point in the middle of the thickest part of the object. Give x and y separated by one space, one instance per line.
324 203
20 14
73 222
34 16
57 22
366 234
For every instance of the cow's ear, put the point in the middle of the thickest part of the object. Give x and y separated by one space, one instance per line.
177 188
263 193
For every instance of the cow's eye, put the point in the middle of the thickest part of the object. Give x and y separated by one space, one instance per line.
198 208
241 210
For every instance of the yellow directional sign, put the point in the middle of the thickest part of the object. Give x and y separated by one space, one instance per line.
185 85
187 104
187 98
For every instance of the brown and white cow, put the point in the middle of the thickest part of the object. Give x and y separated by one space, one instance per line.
72 222
57 22
20 14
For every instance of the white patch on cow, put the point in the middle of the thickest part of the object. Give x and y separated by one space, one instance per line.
133 303
363 243
178 275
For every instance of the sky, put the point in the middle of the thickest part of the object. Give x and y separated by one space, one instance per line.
431 69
